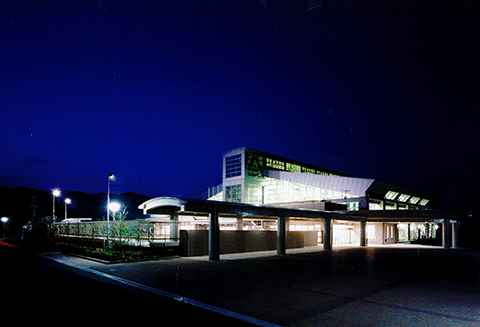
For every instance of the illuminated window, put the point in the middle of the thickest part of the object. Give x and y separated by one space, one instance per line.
391 195
374 204
277 164
424 202
403 197
233 166
308 170
414 200
293 168
254 165
233 193
371 232
353 206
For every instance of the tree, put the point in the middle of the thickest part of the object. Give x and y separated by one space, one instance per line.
120 227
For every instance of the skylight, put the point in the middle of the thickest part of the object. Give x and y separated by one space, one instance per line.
414 199
424 202
391 195
403 197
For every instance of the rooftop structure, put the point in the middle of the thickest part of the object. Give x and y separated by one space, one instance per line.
256 177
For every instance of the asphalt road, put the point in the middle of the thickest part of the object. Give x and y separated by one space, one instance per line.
35 291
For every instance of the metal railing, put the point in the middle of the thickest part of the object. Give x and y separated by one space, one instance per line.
130 232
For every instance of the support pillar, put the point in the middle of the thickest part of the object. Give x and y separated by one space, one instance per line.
327 236
447 234
214 236
174 226
281 234
363 233
455 234
239 222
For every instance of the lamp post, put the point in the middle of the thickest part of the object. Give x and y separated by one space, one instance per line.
4 220
56 193
111 177
67 202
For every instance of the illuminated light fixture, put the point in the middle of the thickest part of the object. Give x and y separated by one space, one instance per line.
391 195
114 207
403 197
424 202
56 193
4 221
414 199
67 202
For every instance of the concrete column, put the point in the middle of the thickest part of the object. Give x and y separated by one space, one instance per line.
455 234
239 222
327 236
447 234
214 236
409 236
363 233
174 226
281 234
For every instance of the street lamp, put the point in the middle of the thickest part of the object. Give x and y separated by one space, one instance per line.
4 220
67 202
111 177
56 193
114 207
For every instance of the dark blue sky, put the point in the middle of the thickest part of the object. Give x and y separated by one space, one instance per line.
156 91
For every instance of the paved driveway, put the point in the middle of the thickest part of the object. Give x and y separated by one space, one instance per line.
374 286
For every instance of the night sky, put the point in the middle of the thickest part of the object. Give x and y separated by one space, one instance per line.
156 91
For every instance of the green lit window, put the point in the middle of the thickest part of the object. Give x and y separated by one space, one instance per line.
254 165
277 164
293 168
233 166
414 200
424 202
391 195
308 170
353 206
403 197
319 172
233 193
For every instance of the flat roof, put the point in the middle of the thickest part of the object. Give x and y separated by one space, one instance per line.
170 205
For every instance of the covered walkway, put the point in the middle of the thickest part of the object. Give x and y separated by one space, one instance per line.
214 210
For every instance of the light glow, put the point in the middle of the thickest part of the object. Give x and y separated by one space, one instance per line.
114 206
56 192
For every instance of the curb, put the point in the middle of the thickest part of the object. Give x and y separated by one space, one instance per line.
175 297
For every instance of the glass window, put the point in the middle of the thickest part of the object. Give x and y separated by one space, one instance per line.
424 202
414 199
308 170
277 164
403 197
233 193
375 204
233 166
254 165
370 232
293 168
391 195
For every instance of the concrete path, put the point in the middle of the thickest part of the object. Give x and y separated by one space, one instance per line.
374 286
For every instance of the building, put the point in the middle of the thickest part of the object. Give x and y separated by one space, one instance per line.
255 177
260 178
266 201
